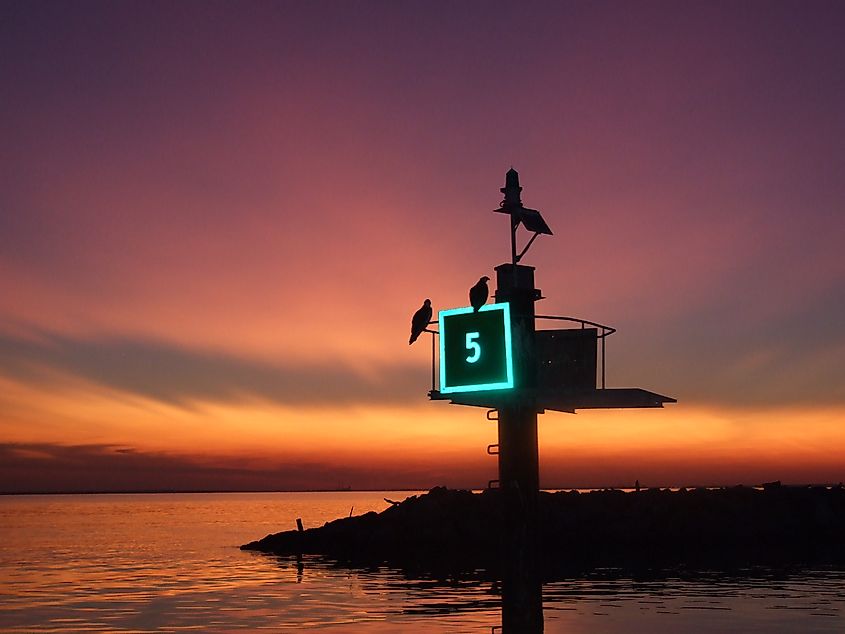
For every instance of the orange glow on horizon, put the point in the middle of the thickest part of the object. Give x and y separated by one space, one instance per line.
421 442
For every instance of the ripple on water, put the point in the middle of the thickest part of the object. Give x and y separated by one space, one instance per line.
170 562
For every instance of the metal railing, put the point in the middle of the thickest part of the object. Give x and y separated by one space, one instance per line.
604 332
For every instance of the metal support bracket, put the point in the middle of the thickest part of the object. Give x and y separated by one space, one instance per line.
527 246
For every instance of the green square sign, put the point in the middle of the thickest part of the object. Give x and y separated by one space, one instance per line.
476 352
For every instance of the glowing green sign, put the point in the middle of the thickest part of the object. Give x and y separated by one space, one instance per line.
476 352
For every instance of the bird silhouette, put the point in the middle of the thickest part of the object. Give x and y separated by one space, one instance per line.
420 320
478 294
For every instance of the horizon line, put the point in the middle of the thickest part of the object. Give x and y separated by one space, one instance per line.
408 489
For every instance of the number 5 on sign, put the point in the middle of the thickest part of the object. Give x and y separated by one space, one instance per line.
474 346
475 349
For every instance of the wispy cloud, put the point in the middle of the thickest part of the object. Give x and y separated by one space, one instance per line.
180 375
737 353
45 467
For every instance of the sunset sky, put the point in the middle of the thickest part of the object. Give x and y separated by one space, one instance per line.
216 220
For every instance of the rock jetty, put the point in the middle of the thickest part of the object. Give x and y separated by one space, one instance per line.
459 531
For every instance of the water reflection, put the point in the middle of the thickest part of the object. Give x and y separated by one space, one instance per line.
129 563
609 600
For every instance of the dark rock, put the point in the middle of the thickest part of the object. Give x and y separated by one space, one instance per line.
454 530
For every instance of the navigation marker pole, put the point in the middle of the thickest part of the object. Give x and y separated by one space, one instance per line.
496 358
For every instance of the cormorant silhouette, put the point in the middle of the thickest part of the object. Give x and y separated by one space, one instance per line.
478 294
420 320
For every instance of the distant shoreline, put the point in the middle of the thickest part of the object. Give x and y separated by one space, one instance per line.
171 491
403 489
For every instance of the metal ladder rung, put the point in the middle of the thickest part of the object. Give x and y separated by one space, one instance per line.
493 450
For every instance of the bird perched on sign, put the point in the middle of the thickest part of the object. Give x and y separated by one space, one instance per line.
478 294
420 320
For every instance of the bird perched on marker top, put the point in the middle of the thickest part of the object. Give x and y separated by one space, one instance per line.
420 320
478 294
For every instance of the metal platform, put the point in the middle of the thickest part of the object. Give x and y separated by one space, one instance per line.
561 401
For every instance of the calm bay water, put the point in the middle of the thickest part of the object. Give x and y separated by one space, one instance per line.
170 562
